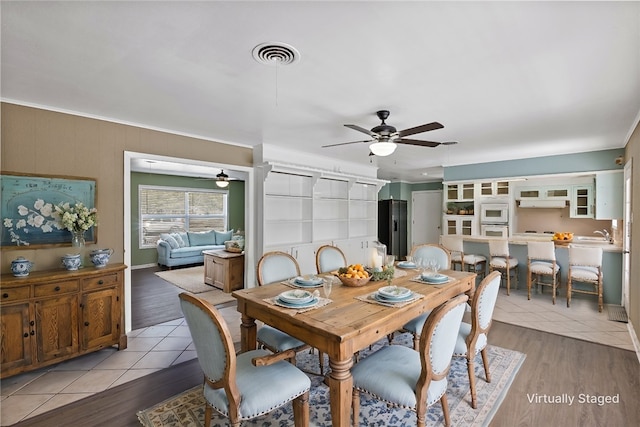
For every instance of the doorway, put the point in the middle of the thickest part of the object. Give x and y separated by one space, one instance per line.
249 216
426 217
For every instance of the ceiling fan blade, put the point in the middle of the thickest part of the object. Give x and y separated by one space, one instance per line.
419 129
416 142
361 129
345 143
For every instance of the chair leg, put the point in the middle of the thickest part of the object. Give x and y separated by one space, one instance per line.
600 302
485 363
416 342
569 290
207 415
529 285
321 361
445 409
301 410
355 406
508 280
472 380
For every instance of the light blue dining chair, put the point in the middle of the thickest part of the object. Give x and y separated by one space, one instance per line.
443 257
473 337
401 376
329 258
274 267
243 386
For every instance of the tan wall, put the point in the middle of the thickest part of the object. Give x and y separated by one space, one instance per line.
632 152
44 142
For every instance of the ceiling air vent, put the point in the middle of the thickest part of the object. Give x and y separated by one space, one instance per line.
275 53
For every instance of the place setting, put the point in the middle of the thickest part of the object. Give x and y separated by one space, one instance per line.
301 300
308 281
429 274
391 296
408 264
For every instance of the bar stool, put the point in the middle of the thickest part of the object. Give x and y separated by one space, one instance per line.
585 266
541 261
501 261
467 262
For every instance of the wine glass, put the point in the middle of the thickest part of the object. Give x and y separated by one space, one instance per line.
327 284
390 260
435 266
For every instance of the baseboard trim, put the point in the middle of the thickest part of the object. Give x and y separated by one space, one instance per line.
634 338
138 267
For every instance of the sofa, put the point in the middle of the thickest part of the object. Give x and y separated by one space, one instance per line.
175 249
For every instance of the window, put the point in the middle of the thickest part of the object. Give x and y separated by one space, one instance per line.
170 210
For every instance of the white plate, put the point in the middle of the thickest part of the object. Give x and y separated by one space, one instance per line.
296 296
434 278
312 281
378 297
394 292
308 304
405 264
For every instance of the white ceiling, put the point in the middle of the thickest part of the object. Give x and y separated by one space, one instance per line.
506 79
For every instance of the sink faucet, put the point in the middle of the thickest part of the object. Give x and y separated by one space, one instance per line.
604 233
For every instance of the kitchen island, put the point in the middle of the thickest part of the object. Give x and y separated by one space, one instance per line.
611 261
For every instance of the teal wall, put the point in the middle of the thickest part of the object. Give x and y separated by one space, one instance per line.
581 162
235 207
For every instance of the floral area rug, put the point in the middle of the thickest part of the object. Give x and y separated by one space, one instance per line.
187 408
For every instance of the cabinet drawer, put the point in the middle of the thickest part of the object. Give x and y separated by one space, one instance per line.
14 294
48 289
100 281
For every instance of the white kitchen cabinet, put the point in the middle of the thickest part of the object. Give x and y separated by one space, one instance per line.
582 201
558 192
461 192
460 225
494 188
357 251
609 195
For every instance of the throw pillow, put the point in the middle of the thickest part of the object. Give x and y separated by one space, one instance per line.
185 238
223 237
178 238
202 238
170 240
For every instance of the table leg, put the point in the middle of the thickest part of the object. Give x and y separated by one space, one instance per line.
248 334
340 389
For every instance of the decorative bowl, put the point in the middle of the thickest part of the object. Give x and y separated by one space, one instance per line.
233 246
354 282
100 257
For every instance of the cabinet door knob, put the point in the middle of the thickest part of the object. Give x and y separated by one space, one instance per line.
100 282
86 323
32 333
26 335
57 288
5 295
32 323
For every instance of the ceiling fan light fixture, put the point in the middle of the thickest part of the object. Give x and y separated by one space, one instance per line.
222 179
383 148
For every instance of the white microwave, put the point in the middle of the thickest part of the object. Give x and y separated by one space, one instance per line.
494 213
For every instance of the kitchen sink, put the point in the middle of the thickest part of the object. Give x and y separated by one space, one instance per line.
590 239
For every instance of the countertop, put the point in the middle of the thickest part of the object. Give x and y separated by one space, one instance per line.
523 238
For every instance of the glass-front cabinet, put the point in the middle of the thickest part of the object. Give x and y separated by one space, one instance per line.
494 188
457 225
582 201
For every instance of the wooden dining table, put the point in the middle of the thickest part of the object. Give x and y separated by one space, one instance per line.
346 325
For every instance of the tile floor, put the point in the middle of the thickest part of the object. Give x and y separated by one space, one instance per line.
157 347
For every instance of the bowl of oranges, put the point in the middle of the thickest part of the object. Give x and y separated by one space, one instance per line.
354 275
563 239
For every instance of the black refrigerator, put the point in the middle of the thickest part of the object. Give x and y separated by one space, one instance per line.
392 226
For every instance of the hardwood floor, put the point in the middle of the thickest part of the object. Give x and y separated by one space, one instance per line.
555 366
154 300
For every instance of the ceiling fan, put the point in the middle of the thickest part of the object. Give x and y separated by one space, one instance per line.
385 137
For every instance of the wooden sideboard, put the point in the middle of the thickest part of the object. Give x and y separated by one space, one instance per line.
55 315
224 270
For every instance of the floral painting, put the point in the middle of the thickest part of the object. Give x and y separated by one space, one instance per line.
35 209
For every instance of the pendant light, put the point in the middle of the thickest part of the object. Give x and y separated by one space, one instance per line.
222 179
